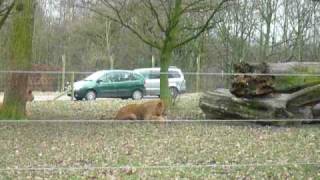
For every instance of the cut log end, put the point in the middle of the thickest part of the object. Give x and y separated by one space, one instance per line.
260 85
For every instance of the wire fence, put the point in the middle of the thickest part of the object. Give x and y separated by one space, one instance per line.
111 121
185 73
190 166
54 85
196 81
187 140
55 80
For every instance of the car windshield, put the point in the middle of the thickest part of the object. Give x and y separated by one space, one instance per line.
144 73
95 76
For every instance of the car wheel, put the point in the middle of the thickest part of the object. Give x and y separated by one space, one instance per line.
91 96
137 94
174 92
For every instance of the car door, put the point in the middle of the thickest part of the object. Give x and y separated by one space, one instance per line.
124 84
174 79
153 82
105 87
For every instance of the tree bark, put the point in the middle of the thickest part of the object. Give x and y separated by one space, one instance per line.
306 97
165 59
20 50
221 104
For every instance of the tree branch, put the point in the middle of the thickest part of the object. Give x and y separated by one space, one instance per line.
156 15
204 27
119 19
190 5
164 8
6 15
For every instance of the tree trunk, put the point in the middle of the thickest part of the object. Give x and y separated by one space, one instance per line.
306 97
167 50
165 59
221 104
285 28
20 49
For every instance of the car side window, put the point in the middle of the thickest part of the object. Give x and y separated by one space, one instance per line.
105 78
133 77
125 76
121 77
110 77
116 77
154 75
174 74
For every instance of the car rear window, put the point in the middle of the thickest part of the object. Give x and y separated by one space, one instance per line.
174 74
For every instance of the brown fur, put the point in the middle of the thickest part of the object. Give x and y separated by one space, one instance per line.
150 110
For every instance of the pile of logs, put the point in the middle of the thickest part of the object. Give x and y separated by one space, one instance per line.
249 86
267 91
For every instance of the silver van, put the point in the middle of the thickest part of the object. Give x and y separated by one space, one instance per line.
177 83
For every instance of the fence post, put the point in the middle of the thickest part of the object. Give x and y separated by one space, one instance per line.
198 75
111 62
72 88
153 61
63 72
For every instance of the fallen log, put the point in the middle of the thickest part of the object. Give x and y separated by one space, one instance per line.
309 96
221 104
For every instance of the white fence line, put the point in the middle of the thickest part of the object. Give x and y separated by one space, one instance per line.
160 121
185 73
190 166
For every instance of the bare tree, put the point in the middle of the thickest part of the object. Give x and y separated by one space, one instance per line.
267 9
158 23
300 22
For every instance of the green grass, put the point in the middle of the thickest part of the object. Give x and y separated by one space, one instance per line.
77 145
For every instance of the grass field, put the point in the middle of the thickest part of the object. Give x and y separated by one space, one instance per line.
176 150
186 108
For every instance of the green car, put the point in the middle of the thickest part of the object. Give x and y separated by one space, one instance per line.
110 84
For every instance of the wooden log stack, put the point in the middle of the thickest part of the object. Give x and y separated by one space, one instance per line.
267 91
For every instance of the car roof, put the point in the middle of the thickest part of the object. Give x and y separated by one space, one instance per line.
115 70
157 69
